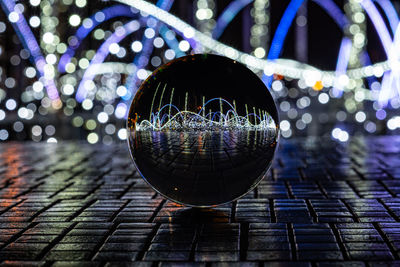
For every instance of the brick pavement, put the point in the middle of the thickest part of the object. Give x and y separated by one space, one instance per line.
323 204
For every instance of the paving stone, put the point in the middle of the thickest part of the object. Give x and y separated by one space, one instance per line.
217 256
167 255
76 264
268 255
86 205
68 255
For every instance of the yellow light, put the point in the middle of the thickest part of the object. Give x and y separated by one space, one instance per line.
70 67
90 125
56 104
93 138
318 86
77 121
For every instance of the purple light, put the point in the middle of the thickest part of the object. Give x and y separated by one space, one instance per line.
28 40
101 55
383 33
227 16
390 12
379 25
334 11
385 92
280 34
341 65
380 114
142 58
82 32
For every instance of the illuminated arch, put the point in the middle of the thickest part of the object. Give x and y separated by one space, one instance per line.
28 40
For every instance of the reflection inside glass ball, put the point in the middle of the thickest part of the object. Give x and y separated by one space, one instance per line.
203 130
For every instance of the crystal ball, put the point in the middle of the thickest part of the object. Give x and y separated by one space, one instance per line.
203 130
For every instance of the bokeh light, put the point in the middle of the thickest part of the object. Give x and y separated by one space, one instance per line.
76 64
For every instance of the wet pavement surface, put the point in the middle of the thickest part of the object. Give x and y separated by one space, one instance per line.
323 204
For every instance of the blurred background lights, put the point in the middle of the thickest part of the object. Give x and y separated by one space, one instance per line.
285 125
11 104
36 130
92 138
340 134
102 117
52 140
78 63
122 134
169 54
137 46
3 134
184 45
114 48
2 114
48 37
360 116
80 3
34 21
323 98
2 27
34 2
158 42
74 20
18 126
13 17
393 123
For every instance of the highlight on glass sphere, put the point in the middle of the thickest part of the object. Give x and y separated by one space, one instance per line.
203 130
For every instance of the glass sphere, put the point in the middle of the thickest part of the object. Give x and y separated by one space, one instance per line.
203 130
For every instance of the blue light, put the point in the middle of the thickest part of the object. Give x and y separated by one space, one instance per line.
228 15
82 32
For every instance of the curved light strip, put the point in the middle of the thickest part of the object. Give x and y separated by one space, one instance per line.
390 50
218 47
387 91
396 66
28 40
343 60
228 14
131 83
379 24
283 27
142 59
112 67
335 12
102 53
286 21
172 43
82 32
390 12
290 68
387 85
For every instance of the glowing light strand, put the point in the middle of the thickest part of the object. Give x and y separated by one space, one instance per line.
290 68
28 40
343 60
83 32
390 50
141 59
390 12
188 120
101 54
227 15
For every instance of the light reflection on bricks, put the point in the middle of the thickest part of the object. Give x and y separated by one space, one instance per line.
74 203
